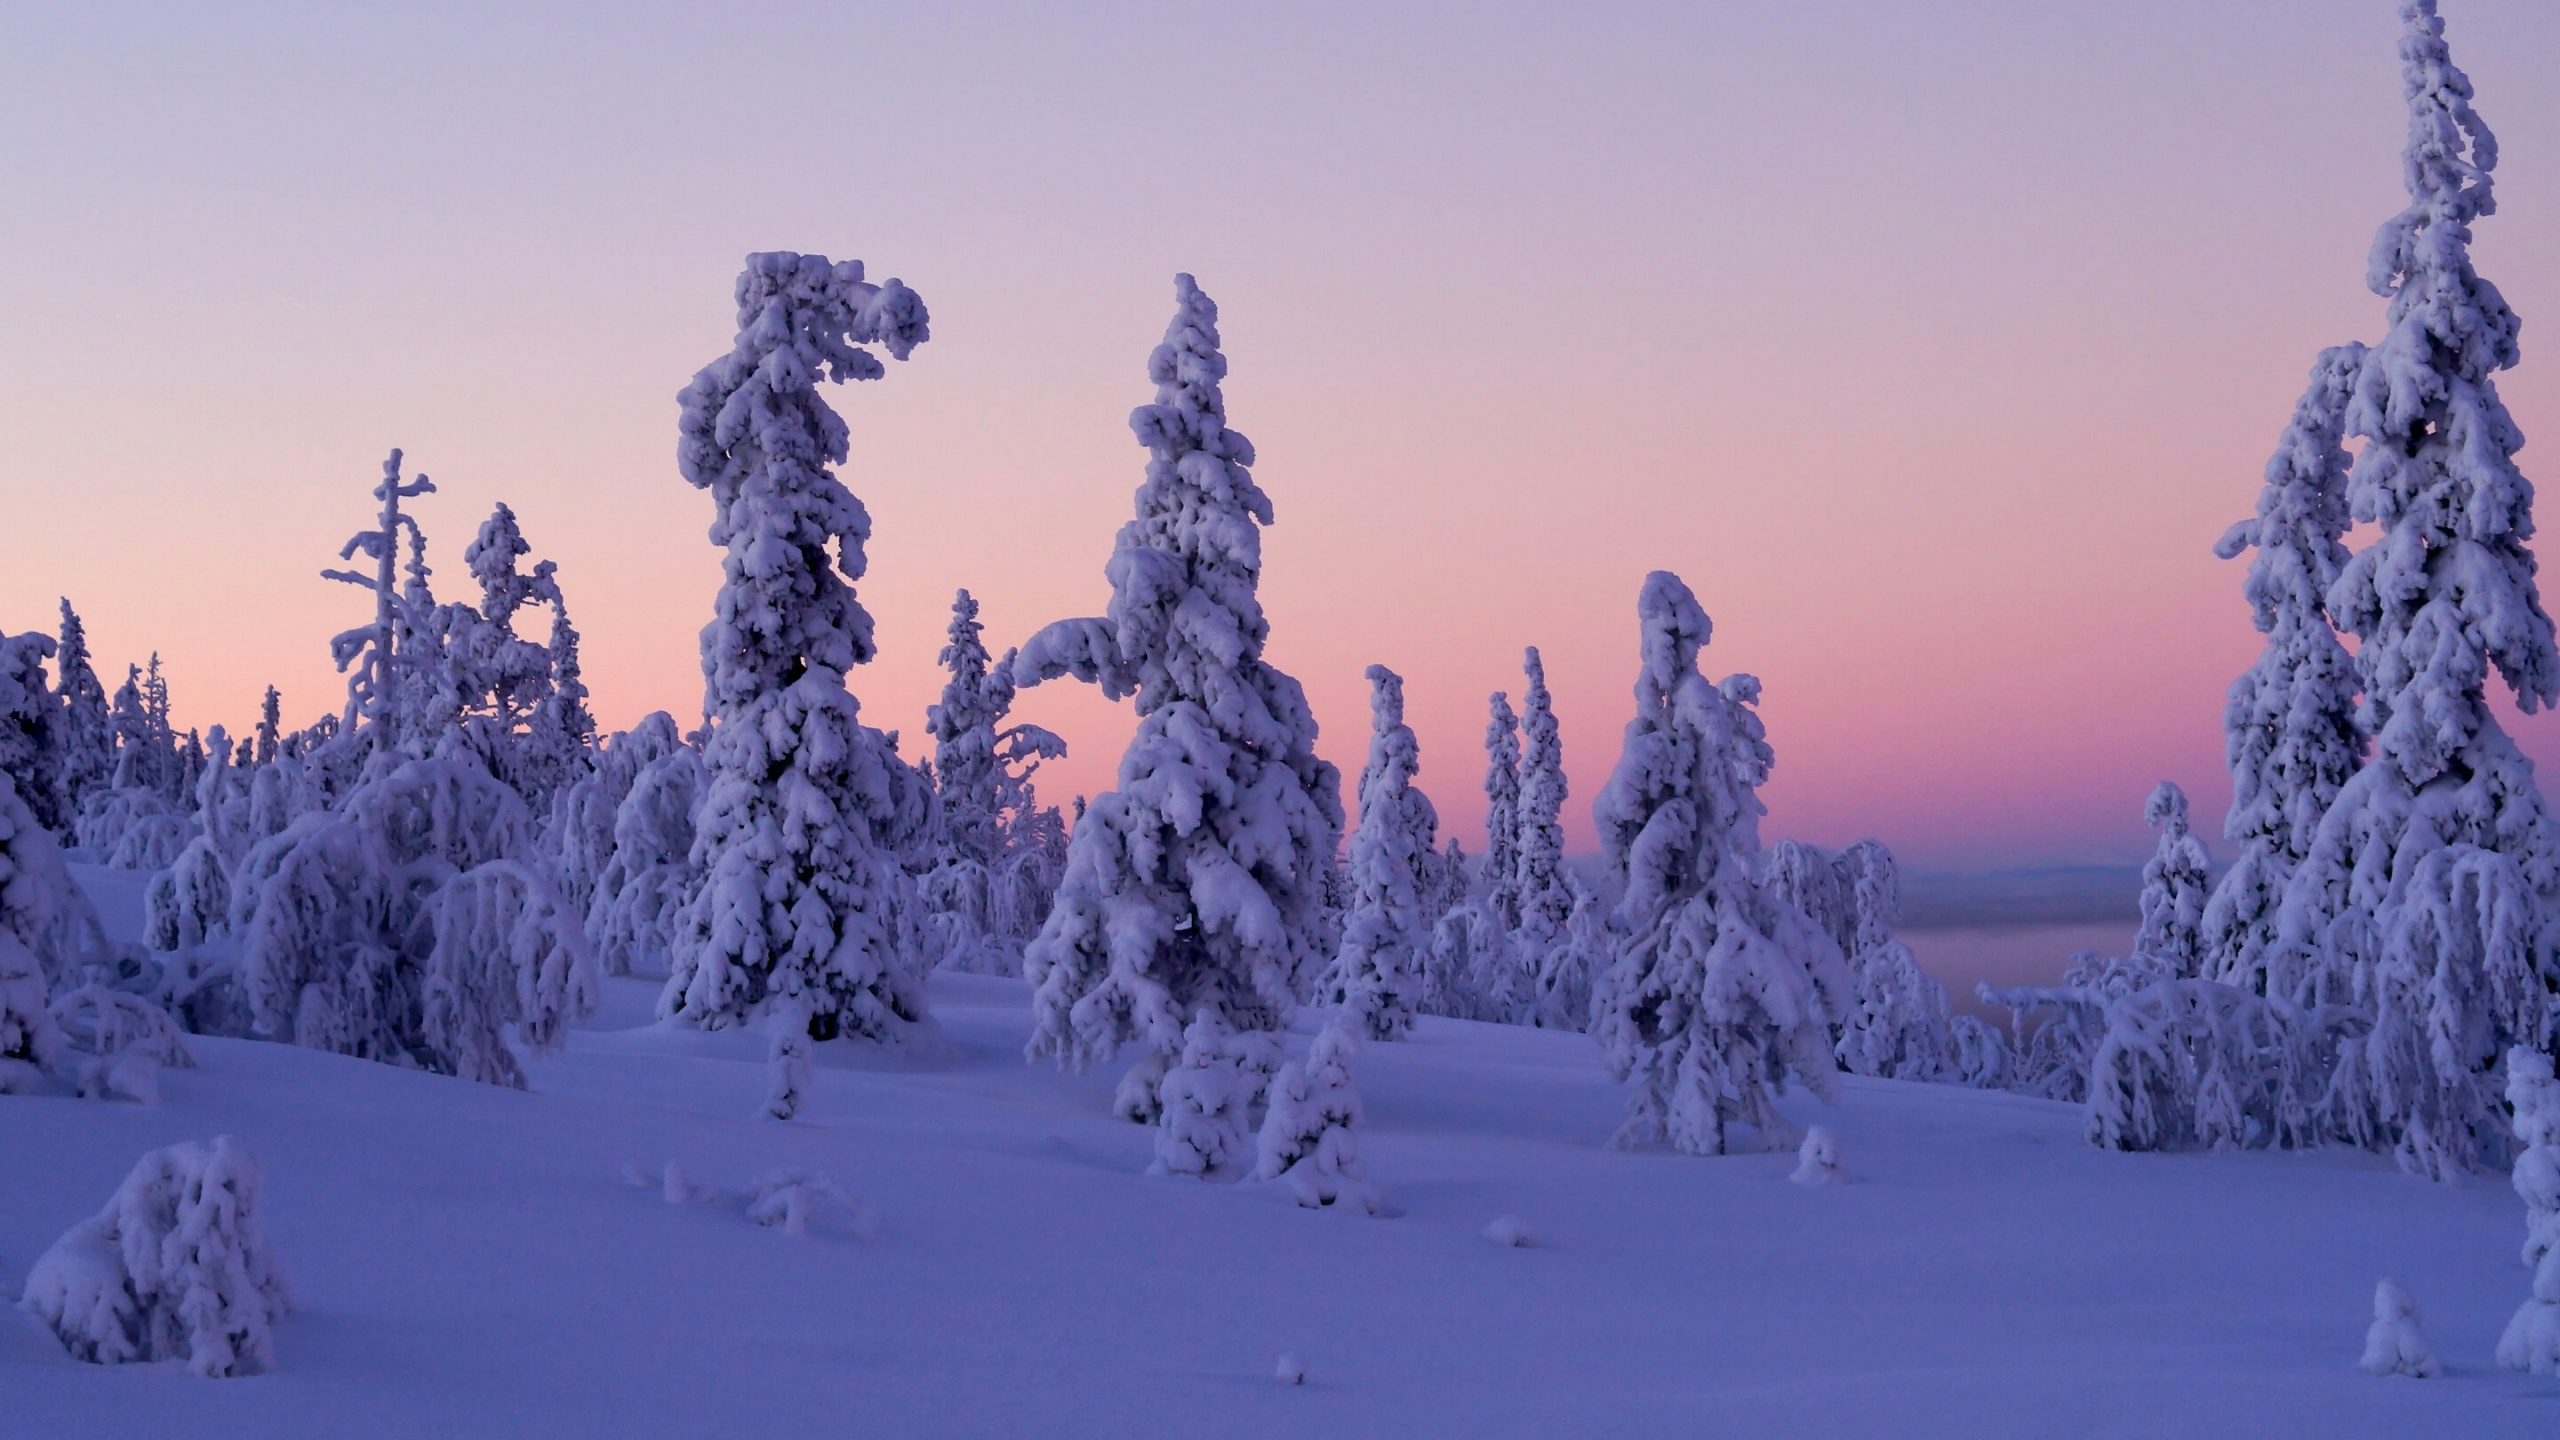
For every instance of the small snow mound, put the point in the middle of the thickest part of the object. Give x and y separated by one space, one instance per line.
674 1186
2394 1346
1512 1231
786 1198
1293 1371
1818 1159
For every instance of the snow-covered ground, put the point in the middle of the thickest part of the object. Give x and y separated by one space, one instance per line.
471 1261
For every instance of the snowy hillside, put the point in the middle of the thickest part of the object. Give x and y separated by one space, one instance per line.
469 1260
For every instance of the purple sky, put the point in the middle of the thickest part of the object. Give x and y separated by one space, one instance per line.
1934 345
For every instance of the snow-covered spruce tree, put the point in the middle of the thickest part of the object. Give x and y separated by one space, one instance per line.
1898 1026
270 727
1718 987
2434 879
2289 728
2395 1345
1502 811
31 727
1205 1094
88 736
1546 900
1196 883
2532 1338
176 1267
1576 962
981 764
1309 1138
1378 974
2175 883
797 836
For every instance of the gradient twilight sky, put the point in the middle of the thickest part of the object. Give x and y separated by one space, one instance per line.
1933 344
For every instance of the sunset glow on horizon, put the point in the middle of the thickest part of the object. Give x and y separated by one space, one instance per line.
1934 352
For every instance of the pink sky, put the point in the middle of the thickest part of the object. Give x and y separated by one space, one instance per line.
1934 350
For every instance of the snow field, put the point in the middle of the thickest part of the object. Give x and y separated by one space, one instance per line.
471 1260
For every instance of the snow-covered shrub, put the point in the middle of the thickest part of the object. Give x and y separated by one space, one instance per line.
643 885
190 902
1818 1158
2438 856
2052 1058
1470 950
579 838
1575 962
176 1267
1204 1095
1197 881
787 1198
1717 988
1977 1053
1897 1025
406 926
2394 1345
798 834
1308 1138
2532 1338
115 1043
507 954
2191 1063
2289 728
1379 973
787 1064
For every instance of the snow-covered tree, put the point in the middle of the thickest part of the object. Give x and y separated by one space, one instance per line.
798 835
406 926
1897 1026
2532 1338
270 726
1309 1138
1576 961
31 727
2433 881
1546 899
1818 1158
1201 1129
1197 882
175 1268
2289 728
1378 974
983 768
1977 1053
1718 988
2175 884
2394 1345
88 735
1502 811
374 685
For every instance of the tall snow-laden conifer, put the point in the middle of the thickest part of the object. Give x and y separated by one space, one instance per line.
1387 934
798 836
2289 728
1718 987
2433 879
1502 811
370 653
270 727
1546 900
88 737
1197 882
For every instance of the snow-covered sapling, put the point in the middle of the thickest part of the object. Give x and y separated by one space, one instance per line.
176 1267
787 1064
1379 973
1205 1095
1310 1134
2395 1346
1818 1158
2174 888
2532 1338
